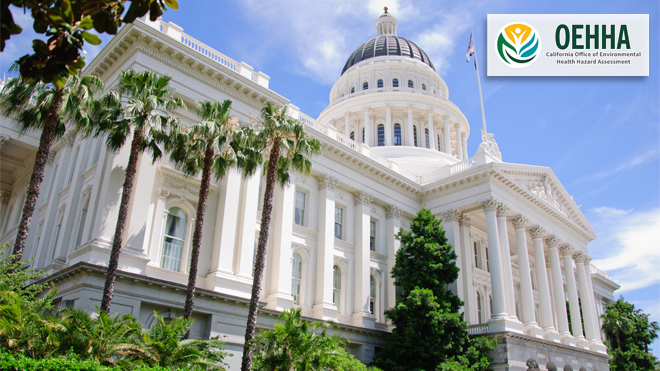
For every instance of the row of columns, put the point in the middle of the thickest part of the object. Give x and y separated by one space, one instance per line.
407 128
550 283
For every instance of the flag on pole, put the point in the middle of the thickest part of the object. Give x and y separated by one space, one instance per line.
470 51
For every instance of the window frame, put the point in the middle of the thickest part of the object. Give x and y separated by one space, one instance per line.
379 84
297 299
415 141
184 242
341 224
380 132
336 286
395 82
365 85
427 138
296 208
373 233
398 136
411 84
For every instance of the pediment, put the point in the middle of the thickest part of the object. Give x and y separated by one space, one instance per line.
544 184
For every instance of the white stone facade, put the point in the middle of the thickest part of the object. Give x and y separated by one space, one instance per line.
520 239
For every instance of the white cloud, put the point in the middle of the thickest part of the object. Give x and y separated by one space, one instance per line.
648 156
322 35
628 246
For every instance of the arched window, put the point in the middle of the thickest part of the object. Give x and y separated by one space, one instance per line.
381 135
352 89
336 286
372 295
427 138
479 312
380 83
415 134
362 135
296 276
423 86
352 135
365 85
439 143
490 302
395 83
411 84
397 134
173 240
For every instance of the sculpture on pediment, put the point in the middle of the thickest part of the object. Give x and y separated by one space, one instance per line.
489 145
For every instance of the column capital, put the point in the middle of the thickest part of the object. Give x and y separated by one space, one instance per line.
536 231
365 108
457 126
565 249
465 221
580 257
547 261
163 194
51 157
489 205
6 196
68 139
552 241
519 221
363 198
388 106
328 181
501 209
450 215
347 115
410 107
393 212
446 118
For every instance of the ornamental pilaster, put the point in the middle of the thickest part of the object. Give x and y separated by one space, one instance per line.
362 198
163 194
393 212
329 182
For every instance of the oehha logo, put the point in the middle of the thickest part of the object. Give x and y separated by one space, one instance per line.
518 44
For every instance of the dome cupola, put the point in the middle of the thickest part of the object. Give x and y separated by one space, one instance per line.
386 24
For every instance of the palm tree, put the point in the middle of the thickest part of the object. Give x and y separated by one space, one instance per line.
47 108
147 100
289 146
295 344
104 338
616 323
165 342
206 147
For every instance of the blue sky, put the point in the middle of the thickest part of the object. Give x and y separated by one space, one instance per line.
601 136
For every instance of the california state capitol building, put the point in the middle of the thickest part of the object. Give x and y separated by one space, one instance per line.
393 143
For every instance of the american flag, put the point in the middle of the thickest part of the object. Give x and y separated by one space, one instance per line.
470 51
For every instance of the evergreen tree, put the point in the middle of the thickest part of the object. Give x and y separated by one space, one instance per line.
429 332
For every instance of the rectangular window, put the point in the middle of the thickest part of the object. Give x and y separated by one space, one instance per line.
339 222
476 256
372 236
73 165
487 261
300 207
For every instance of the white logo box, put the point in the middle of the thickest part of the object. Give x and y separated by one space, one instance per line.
629 30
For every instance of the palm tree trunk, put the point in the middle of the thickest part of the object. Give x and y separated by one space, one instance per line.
260 262
45 141
618 340
197 234
131 170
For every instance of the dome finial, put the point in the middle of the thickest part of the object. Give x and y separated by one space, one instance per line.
385 8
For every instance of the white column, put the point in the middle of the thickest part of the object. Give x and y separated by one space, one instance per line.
323 307
447 136
558 286
592 303
388 126
502 229
226 221
393 225
542 284
573 303
367 127
495 257
279 296
452 232
459 142
347 126
361 314
580 258
410 133
465 151
467 257
552 290
432 139
248 229
160 216
526 291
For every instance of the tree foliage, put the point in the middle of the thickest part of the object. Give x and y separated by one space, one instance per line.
429 332
298 345
630 332
67 24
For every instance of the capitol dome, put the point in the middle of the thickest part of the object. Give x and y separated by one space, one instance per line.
387 45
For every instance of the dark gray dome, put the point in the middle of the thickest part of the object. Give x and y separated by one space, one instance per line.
387 45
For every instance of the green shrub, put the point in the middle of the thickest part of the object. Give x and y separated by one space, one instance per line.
18 362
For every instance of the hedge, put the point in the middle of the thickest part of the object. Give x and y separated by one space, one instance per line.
18 362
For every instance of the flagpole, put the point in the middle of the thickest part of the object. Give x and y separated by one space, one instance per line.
476 66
